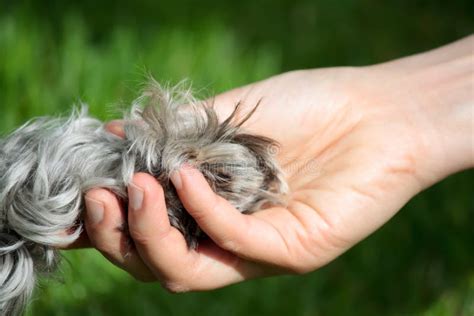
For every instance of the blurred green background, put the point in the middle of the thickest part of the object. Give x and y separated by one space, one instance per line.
56 53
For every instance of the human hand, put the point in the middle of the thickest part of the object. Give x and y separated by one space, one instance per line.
356 145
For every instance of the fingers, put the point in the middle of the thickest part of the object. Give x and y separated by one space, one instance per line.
164 248
161 246
223 104
116 127
160 250
215 215
246 236
104 222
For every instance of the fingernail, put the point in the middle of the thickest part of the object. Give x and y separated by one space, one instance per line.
135 196
95 211
176 179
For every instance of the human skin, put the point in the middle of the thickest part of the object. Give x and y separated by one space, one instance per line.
356 144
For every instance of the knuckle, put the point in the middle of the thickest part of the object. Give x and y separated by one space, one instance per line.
138 236
299 262
201 211
144 238
107 250
99 195
229 245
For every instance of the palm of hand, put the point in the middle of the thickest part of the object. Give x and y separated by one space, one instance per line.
349 162
350 166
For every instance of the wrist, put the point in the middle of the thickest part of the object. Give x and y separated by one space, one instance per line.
445 91
440 84
431 95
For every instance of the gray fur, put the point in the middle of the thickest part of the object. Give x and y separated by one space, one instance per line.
48 164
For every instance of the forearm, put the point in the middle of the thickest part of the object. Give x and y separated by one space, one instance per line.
446 90
437 90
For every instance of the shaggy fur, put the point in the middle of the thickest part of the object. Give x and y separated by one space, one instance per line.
48 164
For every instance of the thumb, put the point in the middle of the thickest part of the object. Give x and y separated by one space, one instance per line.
220 220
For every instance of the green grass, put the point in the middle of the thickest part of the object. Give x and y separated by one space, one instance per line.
54 54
